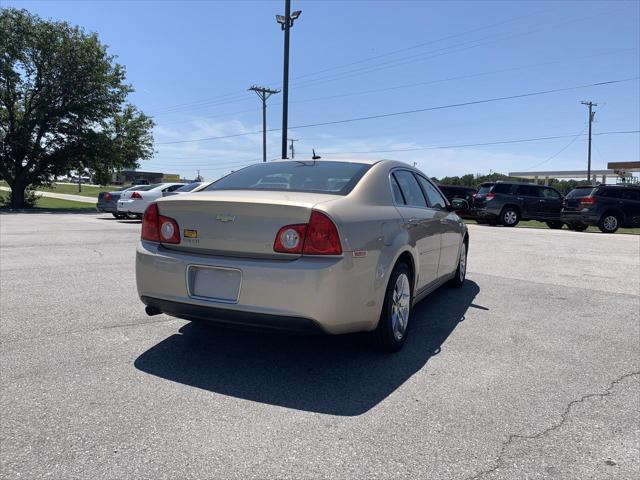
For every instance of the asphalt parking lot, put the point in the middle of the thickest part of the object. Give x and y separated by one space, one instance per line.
532 370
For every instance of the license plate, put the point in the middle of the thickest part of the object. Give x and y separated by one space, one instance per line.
214 283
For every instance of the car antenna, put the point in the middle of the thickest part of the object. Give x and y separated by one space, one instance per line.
315 157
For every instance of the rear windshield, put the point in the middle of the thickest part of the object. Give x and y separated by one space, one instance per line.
336 178
188 187
485 188
144 188
580 192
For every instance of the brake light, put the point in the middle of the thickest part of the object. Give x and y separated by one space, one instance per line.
136 195
107 197
490 196
318 237
588 201
158 228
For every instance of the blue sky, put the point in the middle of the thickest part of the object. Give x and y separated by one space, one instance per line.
191 63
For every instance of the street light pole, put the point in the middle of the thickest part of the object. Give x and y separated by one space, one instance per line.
264 93
286 22
285 77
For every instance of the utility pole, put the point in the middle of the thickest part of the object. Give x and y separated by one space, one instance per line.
293 150
286 22
264 93
592 114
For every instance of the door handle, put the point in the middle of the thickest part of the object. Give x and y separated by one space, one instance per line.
413 221
443 221
542 201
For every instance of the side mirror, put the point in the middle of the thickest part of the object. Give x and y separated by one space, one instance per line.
458 204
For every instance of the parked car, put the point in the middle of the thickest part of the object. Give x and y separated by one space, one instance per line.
136 201
458 191
108 201
189 187
343 246
507 203
608 207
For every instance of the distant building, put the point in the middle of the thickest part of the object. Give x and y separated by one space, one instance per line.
137 177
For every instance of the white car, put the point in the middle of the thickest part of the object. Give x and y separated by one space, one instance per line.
188 188
136 201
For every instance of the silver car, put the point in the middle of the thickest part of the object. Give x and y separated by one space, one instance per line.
329 246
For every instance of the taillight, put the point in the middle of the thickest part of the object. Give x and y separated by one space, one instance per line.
136 195
290 239
490 196
588 201
318 237
150 230
107 197
158 228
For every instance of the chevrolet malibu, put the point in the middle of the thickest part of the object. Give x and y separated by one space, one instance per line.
328 246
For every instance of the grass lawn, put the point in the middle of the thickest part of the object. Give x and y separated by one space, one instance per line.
72 189
534 224
44 203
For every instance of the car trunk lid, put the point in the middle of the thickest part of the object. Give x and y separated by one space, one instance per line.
237 222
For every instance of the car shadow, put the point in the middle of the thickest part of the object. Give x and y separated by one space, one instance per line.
337 375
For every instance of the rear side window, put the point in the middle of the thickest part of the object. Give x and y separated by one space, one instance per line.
550 193
629 194
580 192
172 188
397 194
501 188
528 191
411 191
337 178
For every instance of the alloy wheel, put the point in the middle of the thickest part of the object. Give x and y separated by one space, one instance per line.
463 262
400 306
610 222
510 217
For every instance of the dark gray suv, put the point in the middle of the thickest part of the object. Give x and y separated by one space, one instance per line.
507 203
608 207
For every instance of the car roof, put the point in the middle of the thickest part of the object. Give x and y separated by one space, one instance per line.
367 161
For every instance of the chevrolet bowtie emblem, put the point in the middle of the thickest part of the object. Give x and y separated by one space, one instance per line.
225 218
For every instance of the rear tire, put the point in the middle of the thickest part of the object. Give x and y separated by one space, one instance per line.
461 271
391 332
609 223
510 217
117 215
578 227
554 224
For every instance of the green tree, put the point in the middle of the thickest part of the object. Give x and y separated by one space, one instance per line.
63 105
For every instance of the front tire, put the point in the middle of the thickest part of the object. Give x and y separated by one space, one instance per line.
461 271
510 217
391 332
609 223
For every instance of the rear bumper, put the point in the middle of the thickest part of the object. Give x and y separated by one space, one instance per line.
484 213
234 318
107 207
132 206
585 218
330 294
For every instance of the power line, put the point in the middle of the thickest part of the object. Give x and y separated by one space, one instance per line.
418 110
483 144
414 84
571 142
438 147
